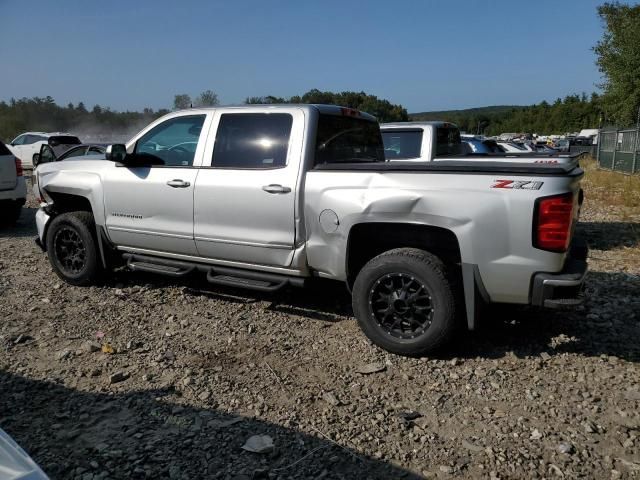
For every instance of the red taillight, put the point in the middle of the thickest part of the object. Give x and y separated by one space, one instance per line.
553 222
19 169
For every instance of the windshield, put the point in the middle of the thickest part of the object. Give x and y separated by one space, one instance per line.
402 144
342 139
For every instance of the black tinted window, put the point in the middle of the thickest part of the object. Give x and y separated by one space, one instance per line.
33 139
4 150
74 152
64 140
448 141
172 143
343 139
400 144
252 140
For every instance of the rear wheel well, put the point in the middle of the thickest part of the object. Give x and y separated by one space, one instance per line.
368 240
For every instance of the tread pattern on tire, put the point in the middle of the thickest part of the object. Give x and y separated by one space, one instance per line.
87 220
446 278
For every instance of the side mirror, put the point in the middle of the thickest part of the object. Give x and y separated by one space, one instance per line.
36 160
116 152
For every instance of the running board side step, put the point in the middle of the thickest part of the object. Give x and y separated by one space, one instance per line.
144 263
264 282
231 277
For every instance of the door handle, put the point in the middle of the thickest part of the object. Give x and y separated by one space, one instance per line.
178 183
275 188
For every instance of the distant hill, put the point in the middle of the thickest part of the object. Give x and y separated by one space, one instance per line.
571 114
467 112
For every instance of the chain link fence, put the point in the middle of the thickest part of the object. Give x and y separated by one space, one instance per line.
619 150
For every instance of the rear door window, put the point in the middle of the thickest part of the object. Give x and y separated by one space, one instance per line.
31 139
252 140
402 144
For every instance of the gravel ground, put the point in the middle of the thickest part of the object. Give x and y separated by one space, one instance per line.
145 377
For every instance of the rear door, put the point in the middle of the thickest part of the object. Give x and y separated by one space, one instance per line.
244 201
8 174
151 207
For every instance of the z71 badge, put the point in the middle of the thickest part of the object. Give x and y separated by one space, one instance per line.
517 184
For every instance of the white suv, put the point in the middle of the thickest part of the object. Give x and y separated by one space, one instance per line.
13 190
27 145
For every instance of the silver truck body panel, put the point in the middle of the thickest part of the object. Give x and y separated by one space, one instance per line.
493 226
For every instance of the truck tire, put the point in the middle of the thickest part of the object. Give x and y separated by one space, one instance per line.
72 248
405 302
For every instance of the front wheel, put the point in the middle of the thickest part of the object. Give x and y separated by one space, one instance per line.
405 302
72 248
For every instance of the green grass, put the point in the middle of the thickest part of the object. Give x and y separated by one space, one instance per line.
611 189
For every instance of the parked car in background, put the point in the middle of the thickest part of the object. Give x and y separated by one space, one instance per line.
87 150
475 145
420 141
13 190
511 147
561 145
439 141
27 145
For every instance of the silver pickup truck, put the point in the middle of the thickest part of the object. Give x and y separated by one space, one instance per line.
267 196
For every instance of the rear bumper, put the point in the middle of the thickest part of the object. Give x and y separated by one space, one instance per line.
19 193
562 289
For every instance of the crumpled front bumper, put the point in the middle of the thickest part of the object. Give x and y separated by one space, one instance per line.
563 289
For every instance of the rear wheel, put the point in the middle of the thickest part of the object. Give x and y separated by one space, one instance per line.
405 302
72 248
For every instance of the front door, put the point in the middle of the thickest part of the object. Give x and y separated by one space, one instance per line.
245 194
151 207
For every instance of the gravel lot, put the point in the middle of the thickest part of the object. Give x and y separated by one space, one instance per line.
196 370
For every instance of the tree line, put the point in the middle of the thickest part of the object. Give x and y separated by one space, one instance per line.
44 114
571 114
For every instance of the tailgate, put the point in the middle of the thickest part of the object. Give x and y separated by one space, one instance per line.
8 174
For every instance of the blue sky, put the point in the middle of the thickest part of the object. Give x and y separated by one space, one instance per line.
425 55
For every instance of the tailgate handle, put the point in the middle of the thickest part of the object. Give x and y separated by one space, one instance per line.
275 188
178 183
